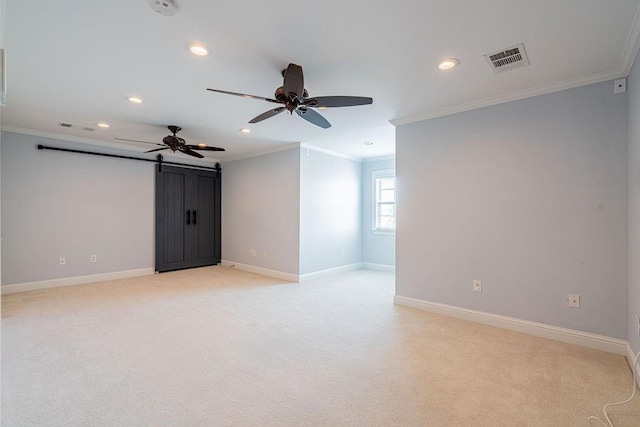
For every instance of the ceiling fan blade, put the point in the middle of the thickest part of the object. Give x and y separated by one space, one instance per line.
186 150
313 117
244 95
135 140
337 101
156 149
203 147
294 81
267 114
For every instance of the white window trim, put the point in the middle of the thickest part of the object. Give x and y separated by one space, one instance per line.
384 173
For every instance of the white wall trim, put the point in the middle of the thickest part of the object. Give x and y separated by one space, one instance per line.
78 280
570 336
513 96
379 267
330 271
260 270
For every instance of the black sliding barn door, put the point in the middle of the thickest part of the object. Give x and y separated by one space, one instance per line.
187 218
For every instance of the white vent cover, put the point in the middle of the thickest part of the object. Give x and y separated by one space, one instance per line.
69 125
508 59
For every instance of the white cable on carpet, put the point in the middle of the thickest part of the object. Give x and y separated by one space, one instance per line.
633 393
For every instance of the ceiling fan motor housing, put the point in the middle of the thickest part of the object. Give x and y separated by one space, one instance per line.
294 98
291 103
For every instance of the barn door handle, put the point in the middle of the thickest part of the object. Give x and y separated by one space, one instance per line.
188 217
194 217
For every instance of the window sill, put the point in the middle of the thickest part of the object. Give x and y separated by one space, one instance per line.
384 232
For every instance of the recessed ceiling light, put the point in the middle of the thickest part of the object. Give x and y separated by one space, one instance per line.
368 143
202 145
449 63
245 130
103 125
134 99
199 49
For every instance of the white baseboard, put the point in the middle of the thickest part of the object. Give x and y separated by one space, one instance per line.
631 357
259 270
379 267
330 271
78 280
570 336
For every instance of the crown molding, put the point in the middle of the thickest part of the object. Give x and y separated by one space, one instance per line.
264 152
512 96
286 147
64 137
330 153
94 142
631 46
379 158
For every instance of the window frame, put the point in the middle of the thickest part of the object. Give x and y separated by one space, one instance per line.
375 176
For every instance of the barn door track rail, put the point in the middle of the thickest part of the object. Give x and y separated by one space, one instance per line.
159 159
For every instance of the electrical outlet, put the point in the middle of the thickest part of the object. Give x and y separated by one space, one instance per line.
94 258
341 252
254 252
63 260
477 286
264 254
638 320
574 300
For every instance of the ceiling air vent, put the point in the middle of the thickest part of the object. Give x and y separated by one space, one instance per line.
69 125
508 59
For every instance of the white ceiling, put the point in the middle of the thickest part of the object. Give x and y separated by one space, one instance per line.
75 61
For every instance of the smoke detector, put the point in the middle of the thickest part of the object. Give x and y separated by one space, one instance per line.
163 7
508 59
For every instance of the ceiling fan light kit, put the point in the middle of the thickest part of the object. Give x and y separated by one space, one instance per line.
294 97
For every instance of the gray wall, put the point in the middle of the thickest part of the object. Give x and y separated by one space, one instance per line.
634 206
531 198
61 204
261 211
330 211
376 248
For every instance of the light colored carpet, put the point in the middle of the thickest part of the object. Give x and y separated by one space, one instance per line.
219 347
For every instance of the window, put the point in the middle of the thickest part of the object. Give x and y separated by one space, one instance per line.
384 209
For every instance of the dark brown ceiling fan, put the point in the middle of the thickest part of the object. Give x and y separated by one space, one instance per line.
295 97
175 143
